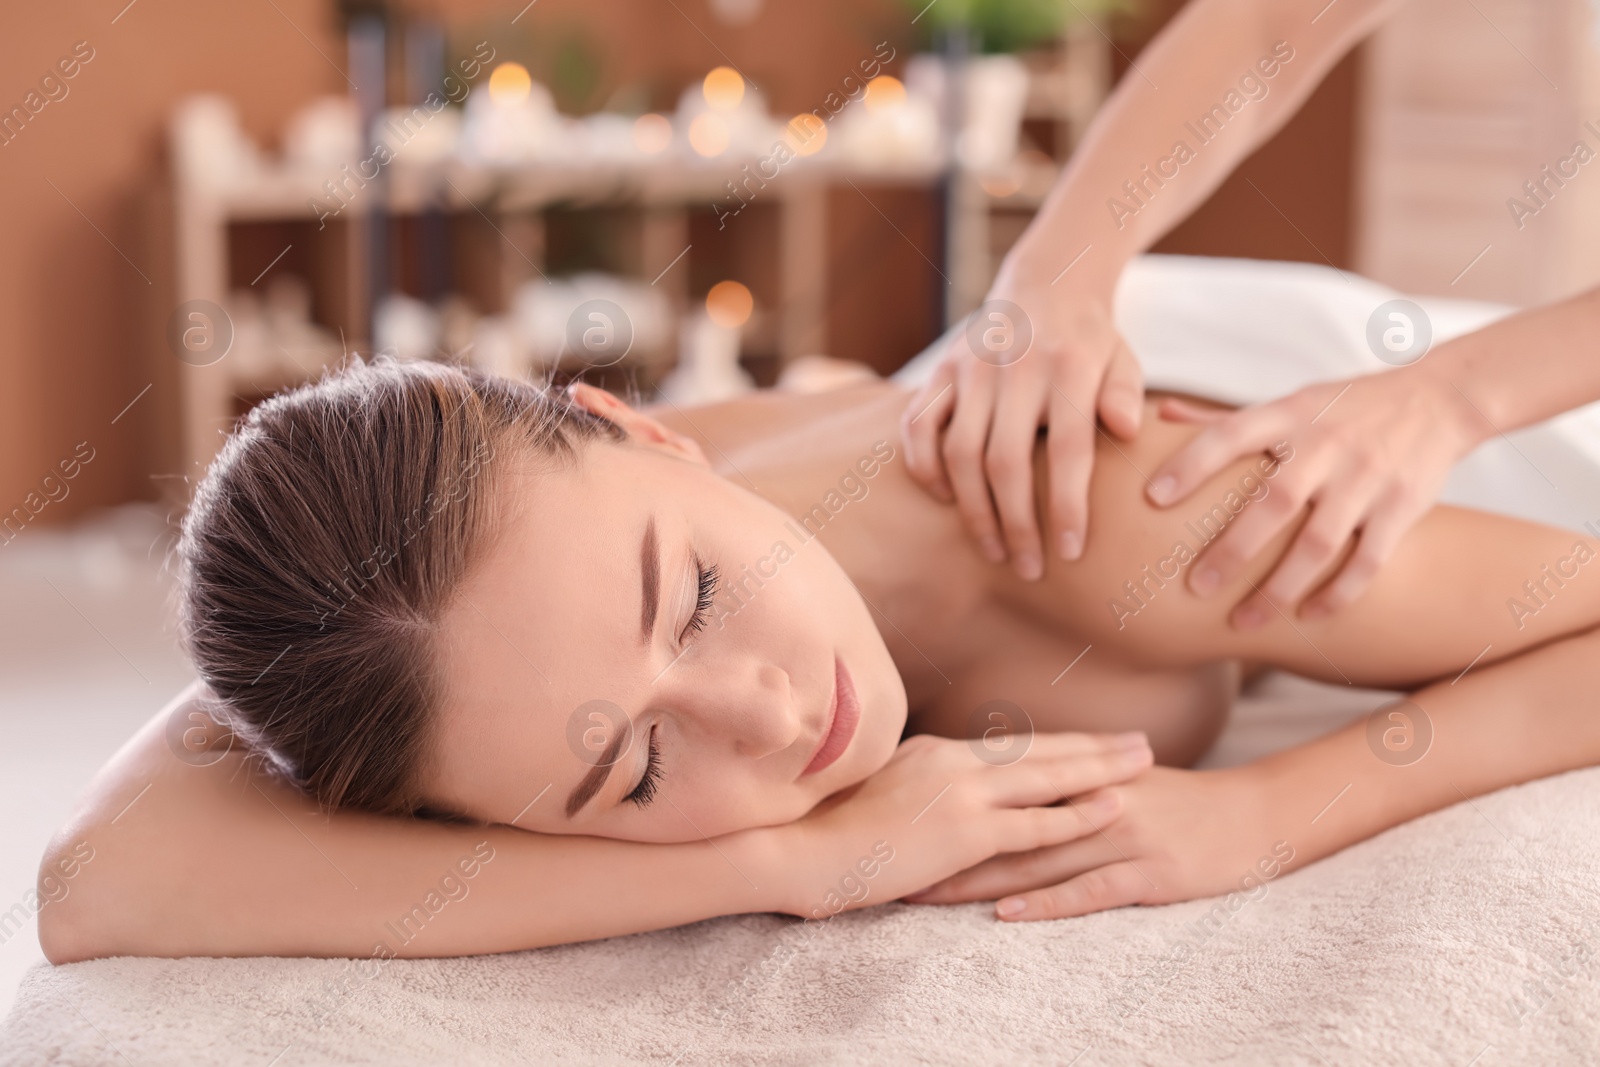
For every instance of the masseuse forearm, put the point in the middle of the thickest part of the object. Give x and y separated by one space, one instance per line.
1512 722
1524 368
1196 63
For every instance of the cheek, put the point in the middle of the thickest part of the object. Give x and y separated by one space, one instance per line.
725 799
785 598
837 619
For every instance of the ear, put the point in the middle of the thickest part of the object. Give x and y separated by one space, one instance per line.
640 427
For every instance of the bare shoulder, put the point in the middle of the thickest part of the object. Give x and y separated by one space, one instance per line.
1128 589
144 756
756 421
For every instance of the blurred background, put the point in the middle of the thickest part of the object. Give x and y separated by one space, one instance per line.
685 199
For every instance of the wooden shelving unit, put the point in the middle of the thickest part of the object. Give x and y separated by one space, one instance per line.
508 207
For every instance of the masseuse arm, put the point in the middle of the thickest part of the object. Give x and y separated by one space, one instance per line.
167 858
1374 452
971 429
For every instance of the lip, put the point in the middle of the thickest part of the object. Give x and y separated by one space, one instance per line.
844 715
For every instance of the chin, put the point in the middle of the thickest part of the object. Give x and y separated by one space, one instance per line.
883 713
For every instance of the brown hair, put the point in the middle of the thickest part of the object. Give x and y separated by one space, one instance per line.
322 548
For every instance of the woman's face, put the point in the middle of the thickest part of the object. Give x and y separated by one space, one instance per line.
650 652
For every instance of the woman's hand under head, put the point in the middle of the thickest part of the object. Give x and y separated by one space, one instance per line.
592 689
938 807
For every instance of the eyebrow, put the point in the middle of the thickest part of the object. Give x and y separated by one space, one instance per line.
591 783
650 568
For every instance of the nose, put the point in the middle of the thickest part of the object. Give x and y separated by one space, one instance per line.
751 705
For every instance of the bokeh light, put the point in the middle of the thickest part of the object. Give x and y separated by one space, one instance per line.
1001 185
729 304
723 88
884 94
510 84
652 134
708 135
806 134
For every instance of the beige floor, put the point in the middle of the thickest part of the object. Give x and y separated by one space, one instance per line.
87 653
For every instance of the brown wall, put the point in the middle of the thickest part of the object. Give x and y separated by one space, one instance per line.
1293 198
72 308
78 320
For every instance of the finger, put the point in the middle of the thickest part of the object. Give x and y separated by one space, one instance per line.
1224 560
1069 447
964 442
1008 464
1024 830
1122 393
1046 746
1115 885
1020 872
1053 781
1239 434
920 425
1375 542
1320 542
1178 409
999 742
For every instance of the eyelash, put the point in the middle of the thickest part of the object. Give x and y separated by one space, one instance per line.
702 605
645 791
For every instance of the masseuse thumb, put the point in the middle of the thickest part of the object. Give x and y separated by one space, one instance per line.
1122 394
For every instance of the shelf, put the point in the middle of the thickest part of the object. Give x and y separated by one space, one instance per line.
673 194
282 194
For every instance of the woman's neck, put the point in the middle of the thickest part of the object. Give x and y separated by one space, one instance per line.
834 462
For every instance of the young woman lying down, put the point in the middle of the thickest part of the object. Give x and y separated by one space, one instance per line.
508 667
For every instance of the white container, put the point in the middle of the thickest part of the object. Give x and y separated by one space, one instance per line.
996 95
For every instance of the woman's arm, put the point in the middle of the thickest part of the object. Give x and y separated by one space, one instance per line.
176 857
224 859
1219 79
1186 834
1502 613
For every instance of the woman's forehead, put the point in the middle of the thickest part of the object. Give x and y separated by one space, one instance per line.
564 575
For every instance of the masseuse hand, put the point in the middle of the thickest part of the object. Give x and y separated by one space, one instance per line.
1369 455
1182 834
936 808
969 433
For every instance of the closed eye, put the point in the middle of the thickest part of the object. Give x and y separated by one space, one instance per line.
643 793
709 579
